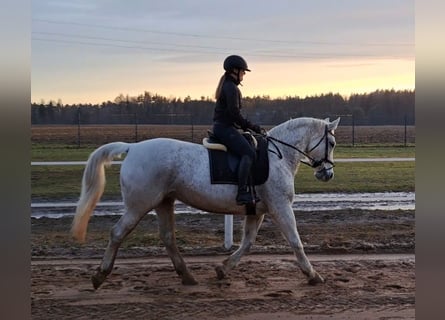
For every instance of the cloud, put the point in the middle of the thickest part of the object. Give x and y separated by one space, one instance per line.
102 35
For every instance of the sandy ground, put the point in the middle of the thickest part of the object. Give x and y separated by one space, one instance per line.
366 257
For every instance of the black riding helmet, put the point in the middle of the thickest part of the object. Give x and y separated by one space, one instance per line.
235 62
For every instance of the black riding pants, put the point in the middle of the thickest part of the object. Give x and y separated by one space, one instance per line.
234 140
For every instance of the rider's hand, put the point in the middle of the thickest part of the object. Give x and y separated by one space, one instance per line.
256 128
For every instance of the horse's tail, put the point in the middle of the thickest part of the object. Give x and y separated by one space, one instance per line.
93 185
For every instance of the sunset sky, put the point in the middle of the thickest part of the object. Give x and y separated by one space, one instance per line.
90 51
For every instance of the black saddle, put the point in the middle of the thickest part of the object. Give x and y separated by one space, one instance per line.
224 164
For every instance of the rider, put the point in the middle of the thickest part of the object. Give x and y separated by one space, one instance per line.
227 120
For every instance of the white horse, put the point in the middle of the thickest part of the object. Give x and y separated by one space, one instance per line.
156 172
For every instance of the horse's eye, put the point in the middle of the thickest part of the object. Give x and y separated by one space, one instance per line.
332 144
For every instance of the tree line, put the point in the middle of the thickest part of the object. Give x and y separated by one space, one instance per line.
381 107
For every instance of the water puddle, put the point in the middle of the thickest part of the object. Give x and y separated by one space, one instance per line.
302 202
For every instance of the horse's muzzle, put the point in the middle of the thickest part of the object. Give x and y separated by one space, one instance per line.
324 174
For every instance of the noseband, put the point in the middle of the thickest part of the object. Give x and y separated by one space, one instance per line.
313 163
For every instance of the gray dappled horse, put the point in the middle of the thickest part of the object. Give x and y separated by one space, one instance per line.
156 172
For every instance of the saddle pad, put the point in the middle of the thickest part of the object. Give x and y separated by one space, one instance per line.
224 165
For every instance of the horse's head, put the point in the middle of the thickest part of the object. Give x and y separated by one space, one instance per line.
321 151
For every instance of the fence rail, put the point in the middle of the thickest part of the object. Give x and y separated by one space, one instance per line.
74 163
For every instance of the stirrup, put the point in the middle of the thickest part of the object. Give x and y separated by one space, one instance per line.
242 202
245 197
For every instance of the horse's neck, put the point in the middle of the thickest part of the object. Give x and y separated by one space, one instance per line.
296 132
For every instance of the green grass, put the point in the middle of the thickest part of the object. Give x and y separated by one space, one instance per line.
63 182
59 152
360 177
374 151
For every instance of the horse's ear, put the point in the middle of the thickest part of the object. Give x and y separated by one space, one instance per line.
327 119
333 125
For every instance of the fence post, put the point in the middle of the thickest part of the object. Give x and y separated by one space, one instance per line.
193 129
228 231
78 127
353 130
135 126
405 130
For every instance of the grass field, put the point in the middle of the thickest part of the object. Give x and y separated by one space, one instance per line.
56 143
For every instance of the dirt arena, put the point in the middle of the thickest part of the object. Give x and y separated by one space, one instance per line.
366 257
100 134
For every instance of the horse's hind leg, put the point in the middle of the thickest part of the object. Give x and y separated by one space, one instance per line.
252 224
118 233
285 220
166 218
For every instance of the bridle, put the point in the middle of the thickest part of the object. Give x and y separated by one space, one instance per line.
313 162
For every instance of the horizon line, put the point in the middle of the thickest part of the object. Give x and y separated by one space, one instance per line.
345 96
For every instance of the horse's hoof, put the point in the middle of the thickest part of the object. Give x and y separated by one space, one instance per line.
189 281
220 273
98 279
316 279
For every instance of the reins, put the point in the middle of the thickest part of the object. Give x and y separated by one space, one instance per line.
313 163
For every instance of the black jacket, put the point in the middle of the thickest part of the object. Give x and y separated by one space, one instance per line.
228 106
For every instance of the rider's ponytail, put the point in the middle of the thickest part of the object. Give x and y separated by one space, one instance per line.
219 87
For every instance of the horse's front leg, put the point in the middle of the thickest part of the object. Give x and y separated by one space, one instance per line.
251 226
285 219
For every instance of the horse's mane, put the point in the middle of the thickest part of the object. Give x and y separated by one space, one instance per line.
293 125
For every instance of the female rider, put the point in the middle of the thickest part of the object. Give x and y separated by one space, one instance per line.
227 120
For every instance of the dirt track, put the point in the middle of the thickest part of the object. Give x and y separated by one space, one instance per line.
266 285
373 278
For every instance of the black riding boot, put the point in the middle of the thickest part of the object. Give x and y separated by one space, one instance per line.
245 195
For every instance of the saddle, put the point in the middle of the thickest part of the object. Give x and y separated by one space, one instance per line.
224 164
